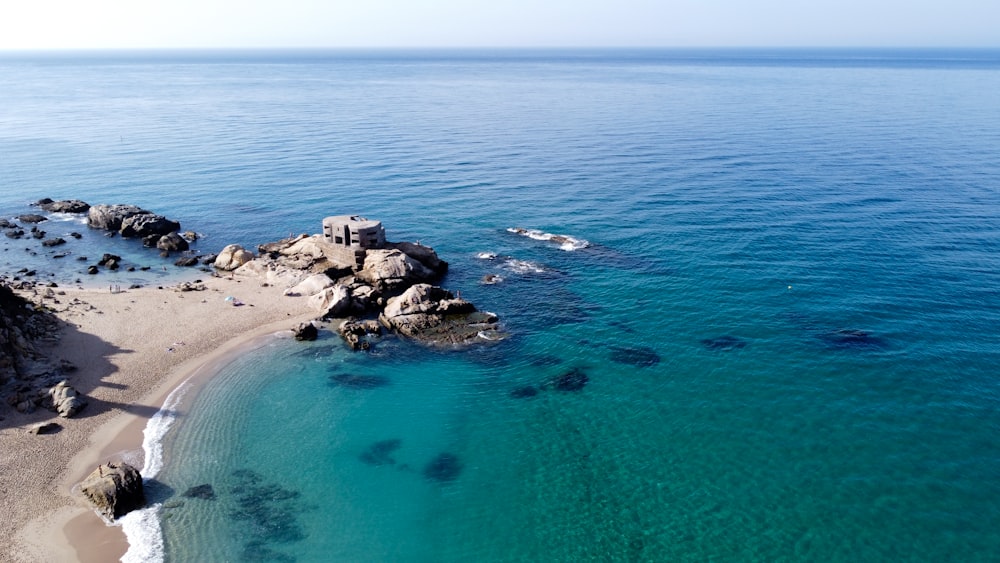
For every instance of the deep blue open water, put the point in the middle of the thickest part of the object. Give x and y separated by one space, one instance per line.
788 313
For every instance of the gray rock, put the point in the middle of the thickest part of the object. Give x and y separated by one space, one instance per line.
433 315
110 217
306 332
31 218
172 242
186 261
115 489
145 224
65 400
65 206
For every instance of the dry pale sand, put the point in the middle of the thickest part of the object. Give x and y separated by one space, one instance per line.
131 349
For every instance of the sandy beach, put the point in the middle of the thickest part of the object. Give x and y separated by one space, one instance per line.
131 349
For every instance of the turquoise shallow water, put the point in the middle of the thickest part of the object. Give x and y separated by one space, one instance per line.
787 313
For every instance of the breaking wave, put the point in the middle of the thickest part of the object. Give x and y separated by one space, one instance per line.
142 527
565 242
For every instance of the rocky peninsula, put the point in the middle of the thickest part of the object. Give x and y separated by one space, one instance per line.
109 358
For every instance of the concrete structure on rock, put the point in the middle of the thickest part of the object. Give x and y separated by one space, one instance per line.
352 236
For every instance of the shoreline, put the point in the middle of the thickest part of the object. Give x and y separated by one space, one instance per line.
132 349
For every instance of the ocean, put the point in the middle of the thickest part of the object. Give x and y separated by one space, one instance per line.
775 338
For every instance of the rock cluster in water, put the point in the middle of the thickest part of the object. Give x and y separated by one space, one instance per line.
392 289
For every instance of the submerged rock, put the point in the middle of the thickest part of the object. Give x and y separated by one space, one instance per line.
853 338
204 492
573 380
359 381
524 392
724 343
115 489
270 510
380 453
443 468
639 356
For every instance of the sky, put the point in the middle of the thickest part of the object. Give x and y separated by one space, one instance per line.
111 24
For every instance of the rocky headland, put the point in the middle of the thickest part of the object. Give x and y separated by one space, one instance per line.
127 340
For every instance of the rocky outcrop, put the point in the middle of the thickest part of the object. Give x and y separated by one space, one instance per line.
114 489
65 206
306 331
232 257
312 267
21 324
390 269
423 254
434 315
64 399
129 220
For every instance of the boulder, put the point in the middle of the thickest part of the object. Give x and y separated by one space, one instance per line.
392 269
186 261
433 315
310 286
31 218
65 206
146 223
356 333
172 242
114 489
54 241
332 301
232 257
423 254
65 400
306 331
110 217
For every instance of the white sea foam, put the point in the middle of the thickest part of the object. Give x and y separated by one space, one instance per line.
486 256
565 242
78 218
142 527
157 428
145 538
524 267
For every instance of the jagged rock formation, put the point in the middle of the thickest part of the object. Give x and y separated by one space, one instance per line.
114 489
392 283
434 315
129 220
64 206
20 325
